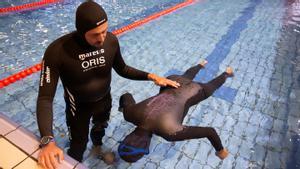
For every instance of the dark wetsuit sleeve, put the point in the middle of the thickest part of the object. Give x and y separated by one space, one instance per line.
48 82
126 71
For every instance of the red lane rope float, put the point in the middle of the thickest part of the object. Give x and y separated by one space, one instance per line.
27 6
150 18
20 75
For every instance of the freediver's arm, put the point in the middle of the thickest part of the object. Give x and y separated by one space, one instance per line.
192 71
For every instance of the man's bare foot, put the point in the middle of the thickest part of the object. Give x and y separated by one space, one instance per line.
108 157
229 71
203 63
222 154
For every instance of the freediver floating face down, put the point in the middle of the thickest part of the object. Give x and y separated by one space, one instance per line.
164 113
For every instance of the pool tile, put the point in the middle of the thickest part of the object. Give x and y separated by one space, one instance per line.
24 140
12 155
6 125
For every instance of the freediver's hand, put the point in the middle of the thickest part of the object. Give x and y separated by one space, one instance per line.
203 63
161 81
222 154
50 156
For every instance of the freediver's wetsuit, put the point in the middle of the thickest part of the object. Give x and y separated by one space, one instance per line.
85 72
163 113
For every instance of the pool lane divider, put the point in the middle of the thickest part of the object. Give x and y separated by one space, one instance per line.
151 17
36 68
27 6
20 75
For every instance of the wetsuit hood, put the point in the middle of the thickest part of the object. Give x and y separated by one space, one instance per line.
89 15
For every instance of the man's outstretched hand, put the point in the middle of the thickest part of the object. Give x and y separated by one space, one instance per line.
50 156
161 81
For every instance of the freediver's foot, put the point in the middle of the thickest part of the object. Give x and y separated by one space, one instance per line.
203 63
229 71
222 154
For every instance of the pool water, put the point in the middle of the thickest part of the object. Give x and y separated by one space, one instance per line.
32 31
256 113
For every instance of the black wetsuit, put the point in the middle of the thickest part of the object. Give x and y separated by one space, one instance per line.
85 72
163 113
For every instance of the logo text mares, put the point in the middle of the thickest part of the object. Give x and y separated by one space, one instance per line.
89 54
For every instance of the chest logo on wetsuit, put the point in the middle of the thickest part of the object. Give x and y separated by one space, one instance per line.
90 54
88 64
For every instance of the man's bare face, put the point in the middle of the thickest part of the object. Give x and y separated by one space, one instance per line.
96 36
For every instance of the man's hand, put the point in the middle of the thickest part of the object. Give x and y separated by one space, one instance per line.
161 81
49 154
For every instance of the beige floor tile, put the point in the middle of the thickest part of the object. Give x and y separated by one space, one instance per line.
29 163
10 155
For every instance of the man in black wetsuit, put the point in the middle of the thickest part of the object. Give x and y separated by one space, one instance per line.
83 60
163 115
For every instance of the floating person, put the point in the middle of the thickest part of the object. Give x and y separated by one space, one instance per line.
163 115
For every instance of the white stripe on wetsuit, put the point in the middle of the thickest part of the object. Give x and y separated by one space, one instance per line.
72 102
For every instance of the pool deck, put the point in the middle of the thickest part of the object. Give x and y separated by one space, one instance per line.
21 148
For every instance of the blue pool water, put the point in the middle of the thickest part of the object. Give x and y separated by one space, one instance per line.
257 113
32 31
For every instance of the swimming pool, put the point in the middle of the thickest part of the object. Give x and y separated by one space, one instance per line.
256 114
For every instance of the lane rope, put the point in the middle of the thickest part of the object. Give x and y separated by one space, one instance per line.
27 6
36 68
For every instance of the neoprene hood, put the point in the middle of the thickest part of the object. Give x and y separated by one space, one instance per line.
89 15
